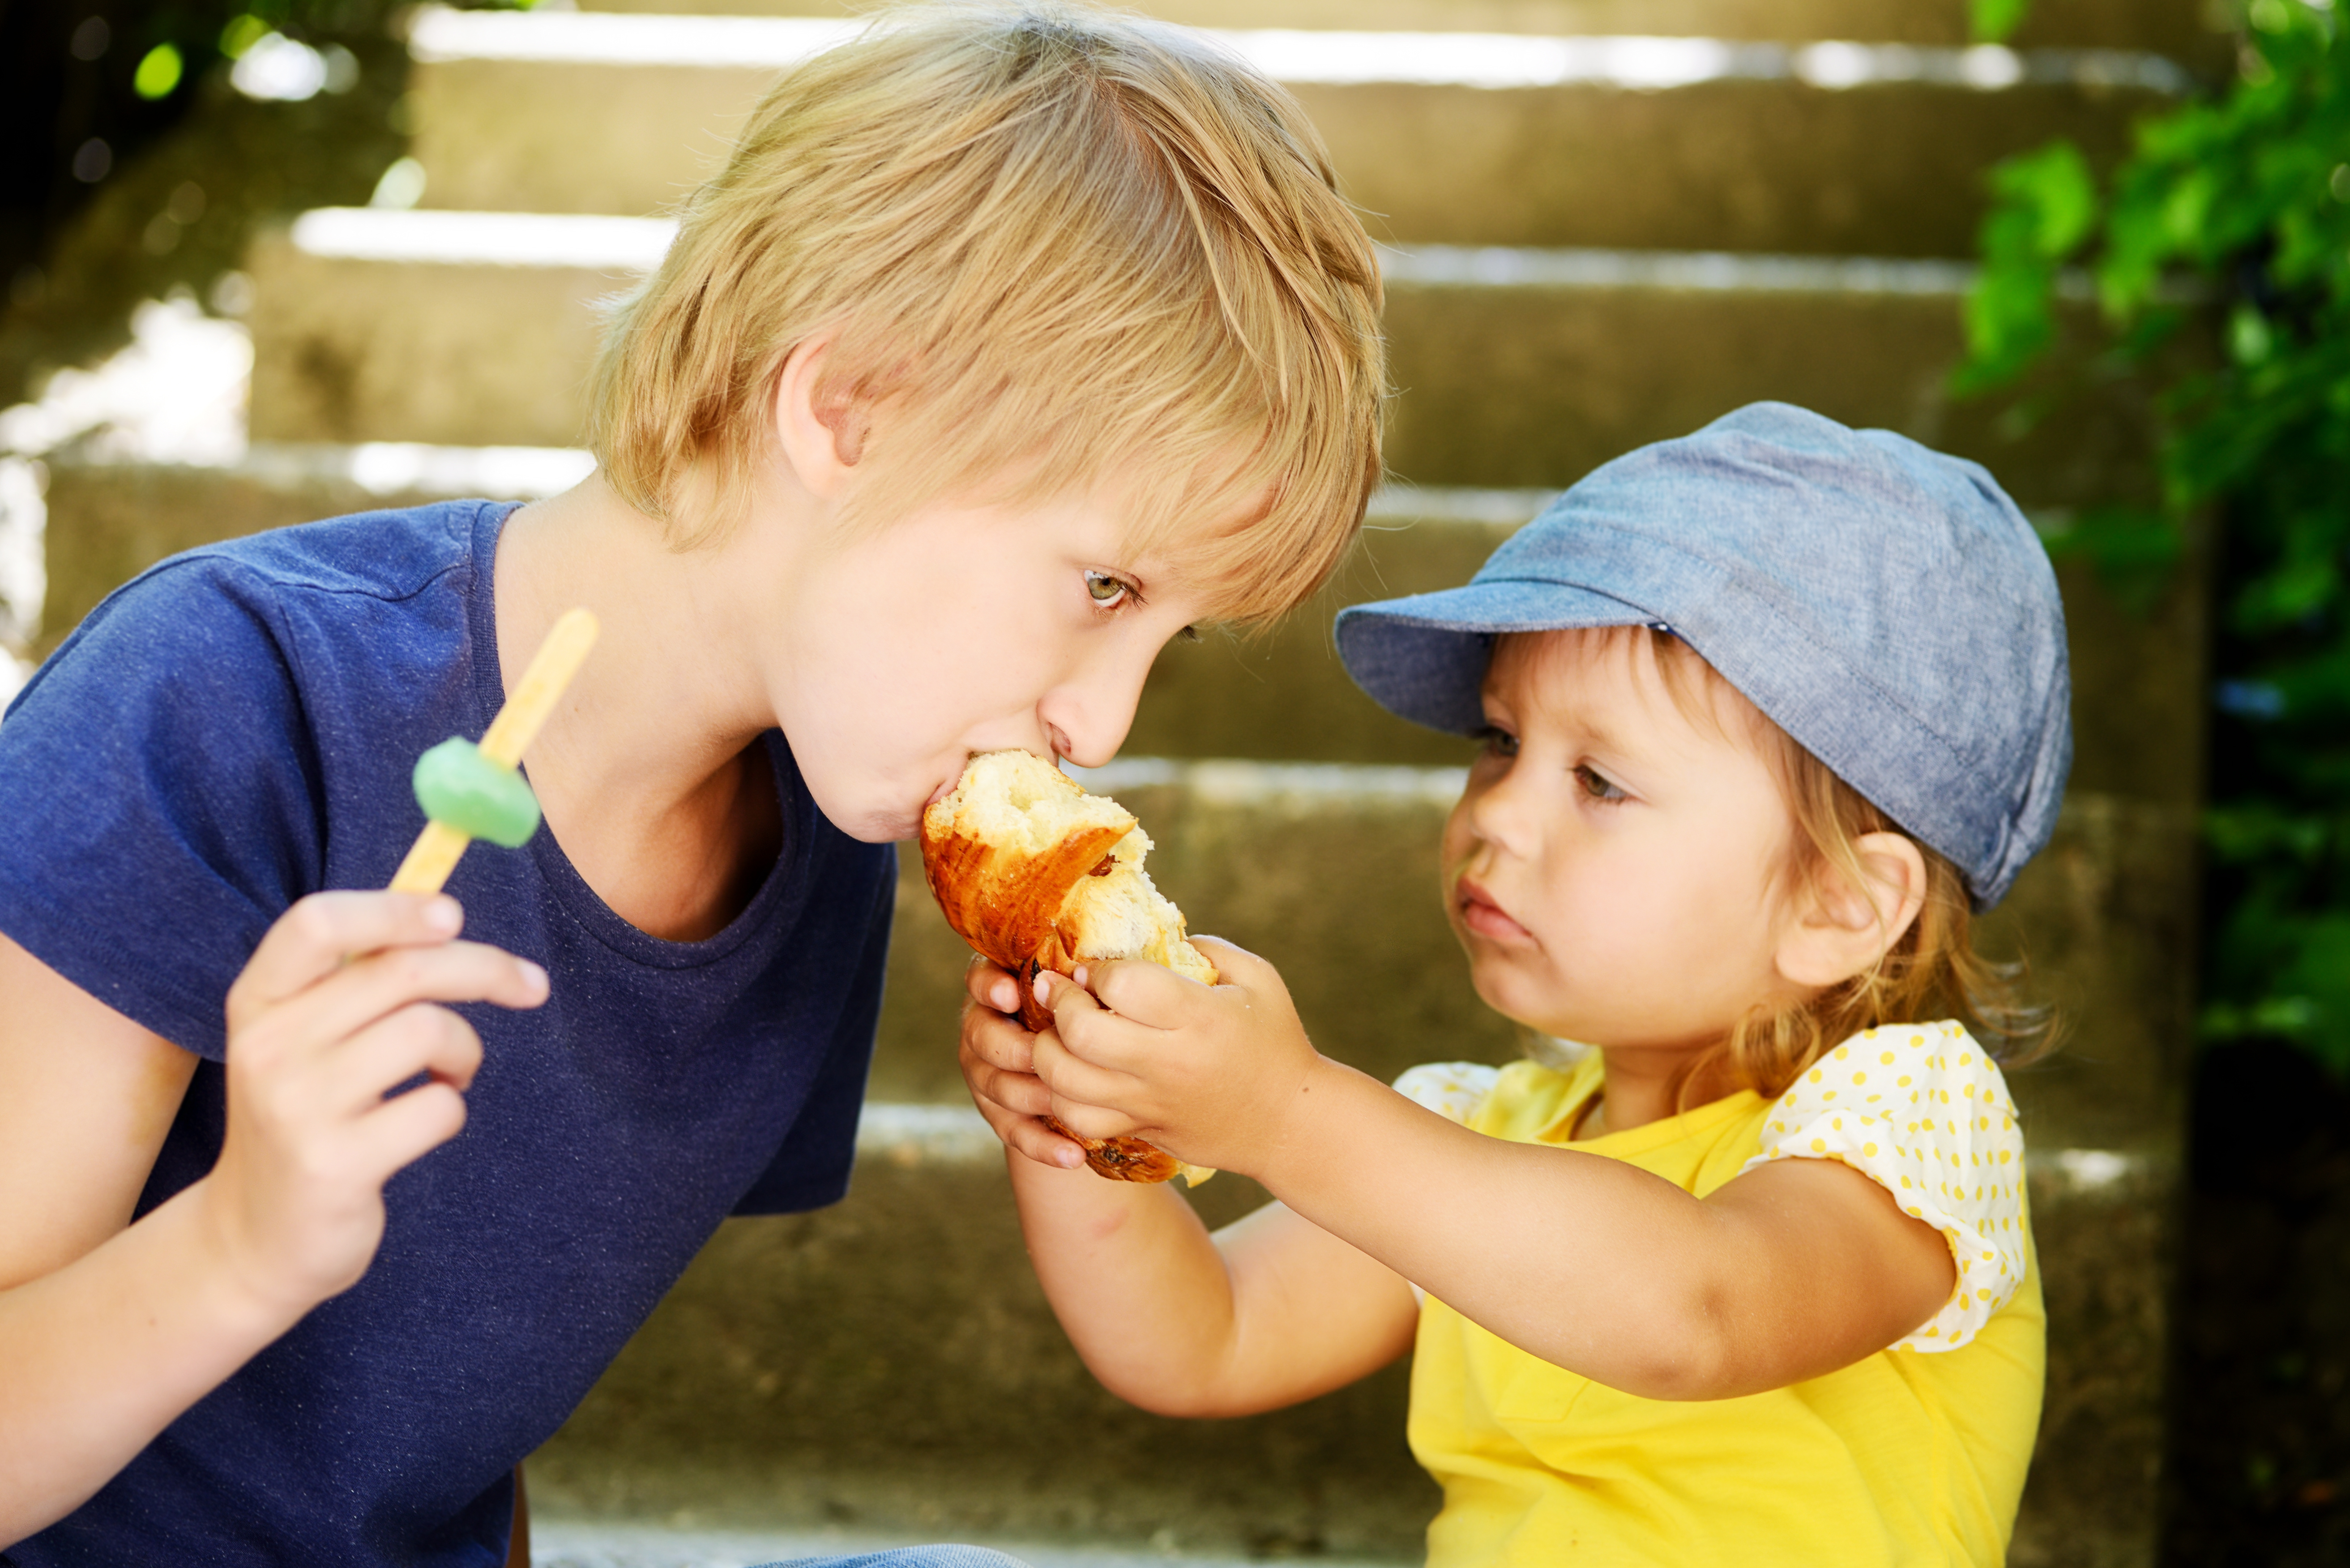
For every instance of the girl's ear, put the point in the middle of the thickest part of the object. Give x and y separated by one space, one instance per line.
1845 927
820 431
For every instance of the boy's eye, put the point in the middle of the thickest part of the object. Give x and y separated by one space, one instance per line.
1596 784
1498 740
1106 590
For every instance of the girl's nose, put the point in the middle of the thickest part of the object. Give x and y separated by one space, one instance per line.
1504 814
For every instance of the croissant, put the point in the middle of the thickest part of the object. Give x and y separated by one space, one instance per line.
1036 874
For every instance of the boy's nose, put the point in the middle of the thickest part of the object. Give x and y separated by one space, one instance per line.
1086 718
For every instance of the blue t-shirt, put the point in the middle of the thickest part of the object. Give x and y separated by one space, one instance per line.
234 729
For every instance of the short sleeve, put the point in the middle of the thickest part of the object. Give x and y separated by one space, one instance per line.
159 803
1453 1090
1922 1110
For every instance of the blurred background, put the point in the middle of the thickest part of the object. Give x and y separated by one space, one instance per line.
269 260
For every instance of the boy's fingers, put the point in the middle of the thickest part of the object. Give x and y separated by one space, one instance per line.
312 939
1024 1134
990 985
1022 1093
406 1126
421 1038
994 1039
366 990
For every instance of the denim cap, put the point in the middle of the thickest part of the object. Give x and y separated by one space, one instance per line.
1888 607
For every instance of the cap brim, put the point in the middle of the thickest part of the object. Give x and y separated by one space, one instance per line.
1423 657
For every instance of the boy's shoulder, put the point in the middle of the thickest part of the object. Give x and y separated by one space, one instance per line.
369 588
392 554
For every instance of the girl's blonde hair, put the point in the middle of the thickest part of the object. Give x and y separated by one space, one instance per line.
1052 250
1932 971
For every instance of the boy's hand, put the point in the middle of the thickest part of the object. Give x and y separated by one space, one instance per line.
997 1067
338 1006
1209 1075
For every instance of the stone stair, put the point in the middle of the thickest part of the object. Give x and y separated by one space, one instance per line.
1666 208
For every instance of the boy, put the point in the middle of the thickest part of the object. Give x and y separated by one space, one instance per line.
1008 343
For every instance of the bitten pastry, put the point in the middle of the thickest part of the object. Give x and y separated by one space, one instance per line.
1036 874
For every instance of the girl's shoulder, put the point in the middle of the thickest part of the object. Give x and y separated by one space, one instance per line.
1517 1099
1922 1110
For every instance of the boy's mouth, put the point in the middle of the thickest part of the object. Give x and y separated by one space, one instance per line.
1480 913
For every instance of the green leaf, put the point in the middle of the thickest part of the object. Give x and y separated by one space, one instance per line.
2053 186
1994 21
158 72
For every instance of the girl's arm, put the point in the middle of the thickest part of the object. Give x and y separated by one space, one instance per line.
1265 1312
110 1330
1787 1273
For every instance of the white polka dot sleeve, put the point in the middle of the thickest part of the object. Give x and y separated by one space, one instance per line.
1451 1089
1922 1110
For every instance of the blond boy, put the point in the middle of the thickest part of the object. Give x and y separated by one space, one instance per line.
1009 343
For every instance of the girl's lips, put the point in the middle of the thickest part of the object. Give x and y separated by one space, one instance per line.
1481 915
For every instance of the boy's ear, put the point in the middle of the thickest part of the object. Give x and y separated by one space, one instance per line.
1843 927
821 431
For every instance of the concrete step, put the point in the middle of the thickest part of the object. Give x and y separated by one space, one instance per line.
565 1542
2180 28
889 1366
1460 138
1515 367
769 1389
1278 695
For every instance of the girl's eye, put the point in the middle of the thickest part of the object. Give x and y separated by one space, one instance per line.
1498 740
1596 784
1106 591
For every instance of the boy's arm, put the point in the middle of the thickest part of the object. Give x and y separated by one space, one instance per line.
110 1330
1265 1312
1787 1273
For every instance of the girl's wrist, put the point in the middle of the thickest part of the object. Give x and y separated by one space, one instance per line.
1308 1125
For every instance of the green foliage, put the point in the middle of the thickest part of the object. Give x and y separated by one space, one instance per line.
2233 209
1994 20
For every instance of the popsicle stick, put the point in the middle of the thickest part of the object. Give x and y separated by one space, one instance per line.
437 849
541 686
430 859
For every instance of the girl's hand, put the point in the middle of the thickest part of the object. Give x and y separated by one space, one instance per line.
1209 1075
997 1067
338 1007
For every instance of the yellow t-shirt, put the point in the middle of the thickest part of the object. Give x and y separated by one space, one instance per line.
1915 1455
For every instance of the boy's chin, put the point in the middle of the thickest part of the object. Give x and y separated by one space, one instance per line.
866 817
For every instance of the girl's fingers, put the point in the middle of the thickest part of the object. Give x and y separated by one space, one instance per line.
311 940
1143 991
419 1038
1235 965
1096 1121
990 985
1072 1078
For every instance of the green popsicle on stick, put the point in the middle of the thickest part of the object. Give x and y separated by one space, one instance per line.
470 792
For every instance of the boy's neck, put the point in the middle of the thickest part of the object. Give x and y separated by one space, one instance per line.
647 773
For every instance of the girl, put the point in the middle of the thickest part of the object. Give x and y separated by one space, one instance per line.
1768 712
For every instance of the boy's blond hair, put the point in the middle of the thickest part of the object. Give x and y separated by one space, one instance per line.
1053 250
